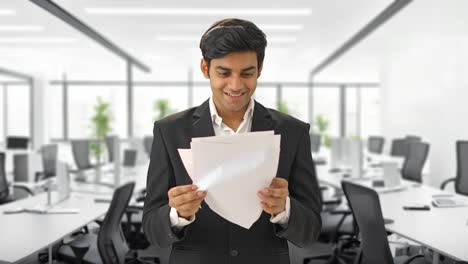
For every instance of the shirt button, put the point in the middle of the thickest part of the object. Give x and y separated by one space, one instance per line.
234 253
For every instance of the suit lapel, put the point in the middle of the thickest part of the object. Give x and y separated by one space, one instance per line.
202 125
261 120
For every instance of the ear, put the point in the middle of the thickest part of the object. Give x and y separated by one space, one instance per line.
259 71
204 68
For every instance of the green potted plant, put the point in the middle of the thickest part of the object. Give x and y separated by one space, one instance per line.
100 127
322 126
283 107
162 108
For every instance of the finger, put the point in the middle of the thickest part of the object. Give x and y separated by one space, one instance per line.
191 207
178 190
272 201
275 192
186 198
279 183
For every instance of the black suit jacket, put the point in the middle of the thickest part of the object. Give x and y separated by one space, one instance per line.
211 239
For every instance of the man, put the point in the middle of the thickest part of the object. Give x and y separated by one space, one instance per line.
174 212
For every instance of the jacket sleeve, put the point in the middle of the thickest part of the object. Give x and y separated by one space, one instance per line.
304 222
160 178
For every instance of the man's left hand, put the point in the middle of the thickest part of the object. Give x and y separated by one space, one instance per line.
273 198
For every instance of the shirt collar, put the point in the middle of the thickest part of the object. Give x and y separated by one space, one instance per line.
218 120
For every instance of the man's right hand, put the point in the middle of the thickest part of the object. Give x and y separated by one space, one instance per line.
186 200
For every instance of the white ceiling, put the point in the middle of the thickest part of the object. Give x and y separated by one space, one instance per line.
329 24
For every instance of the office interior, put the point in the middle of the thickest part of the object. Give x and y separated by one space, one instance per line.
387 69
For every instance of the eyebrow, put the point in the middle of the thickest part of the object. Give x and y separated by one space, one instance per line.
228 69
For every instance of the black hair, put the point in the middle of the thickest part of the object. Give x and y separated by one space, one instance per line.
231 35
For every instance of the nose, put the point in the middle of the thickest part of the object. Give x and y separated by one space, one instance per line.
235 84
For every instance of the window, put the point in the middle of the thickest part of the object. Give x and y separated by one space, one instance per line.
201 94
266 96
81 102
296 99
370 112
18 101
54 111
327 103
144 98
2 113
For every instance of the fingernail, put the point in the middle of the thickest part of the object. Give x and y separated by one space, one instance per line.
265 191
201 194
194 187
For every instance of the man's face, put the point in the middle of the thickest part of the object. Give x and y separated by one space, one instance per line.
233 80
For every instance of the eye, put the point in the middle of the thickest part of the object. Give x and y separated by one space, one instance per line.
223 74
247 74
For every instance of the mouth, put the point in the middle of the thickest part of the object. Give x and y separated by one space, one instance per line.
235 95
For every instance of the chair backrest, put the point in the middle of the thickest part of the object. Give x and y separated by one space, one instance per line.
130 158
21 167
461 181
4 191
365 205
110 143
111 242
375 144
315 142
15 142
411 138
148 143
80 150
414 161
49 155
398 148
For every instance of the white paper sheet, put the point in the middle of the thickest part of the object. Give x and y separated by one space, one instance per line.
232 169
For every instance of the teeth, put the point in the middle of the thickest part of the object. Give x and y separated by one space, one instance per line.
234 94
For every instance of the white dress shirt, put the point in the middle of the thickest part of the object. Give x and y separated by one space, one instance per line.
222 129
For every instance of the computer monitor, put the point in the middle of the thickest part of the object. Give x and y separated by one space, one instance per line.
13 142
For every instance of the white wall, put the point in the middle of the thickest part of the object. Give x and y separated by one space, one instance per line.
425 82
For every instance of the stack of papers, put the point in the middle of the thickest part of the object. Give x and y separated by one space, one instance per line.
232 169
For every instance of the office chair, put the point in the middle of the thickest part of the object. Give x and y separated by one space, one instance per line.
398 147
109 246
411 138
414 161
375 144
461 179
148 143
80 150
20 167
49 154
5 195
110 143
129 158
365 205
315 142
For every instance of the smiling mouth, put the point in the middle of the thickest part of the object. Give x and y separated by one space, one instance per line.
235 95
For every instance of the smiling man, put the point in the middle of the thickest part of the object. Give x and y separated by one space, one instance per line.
175 213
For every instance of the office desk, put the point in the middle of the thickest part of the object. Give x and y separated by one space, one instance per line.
107 181
443 230
24 234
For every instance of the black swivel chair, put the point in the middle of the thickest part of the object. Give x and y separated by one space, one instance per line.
49 154
375 144
365 205
109 246
461 179
80 150
315 142
414 161
110 143
5 195
400 146
148 143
